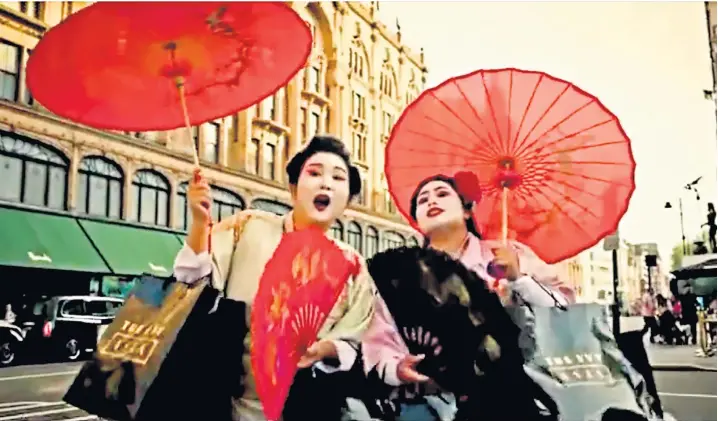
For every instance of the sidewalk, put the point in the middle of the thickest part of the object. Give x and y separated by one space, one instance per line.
670 357
678 357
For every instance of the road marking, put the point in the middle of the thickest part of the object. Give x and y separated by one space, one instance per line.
87 418
688 395
37 414
22 406
39 375
7 404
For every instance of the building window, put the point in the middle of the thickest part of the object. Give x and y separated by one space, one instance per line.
359 146
372 242
273 107
313 79
195 139
271 206
337 230
386 84
225 203
210 136
284 105
358 106
354 237
38 9
32 173
253 156
302 123
412 242
9 71
266 108
151 193
99 187
314 124
269 159
27 95
392 240
356 62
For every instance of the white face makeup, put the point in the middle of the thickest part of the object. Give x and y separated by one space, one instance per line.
322 191
438 206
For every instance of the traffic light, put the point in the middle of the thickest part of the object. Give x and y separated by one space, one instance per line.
651 261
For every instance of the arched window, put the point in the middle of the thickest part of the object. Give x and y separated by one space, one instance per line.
412 242
224 203
99 187
151 192
393 240
354 237
372 242
271 206
338 230
32 173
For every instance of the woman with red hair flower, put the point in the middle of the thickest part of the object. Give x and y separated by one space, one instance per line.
441 208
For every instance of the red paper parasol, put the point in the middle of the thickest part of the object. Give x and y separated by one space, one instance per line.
299 287
149 66
547 155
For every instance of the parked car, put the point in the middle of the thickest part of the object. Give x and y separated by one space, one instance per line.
11 337
69 326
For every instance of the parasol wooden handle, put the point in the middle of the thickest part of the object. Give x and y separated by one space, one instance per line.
179 82
505 215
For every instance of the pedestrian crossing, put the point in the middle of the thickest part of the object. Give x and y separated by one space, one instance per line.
42 411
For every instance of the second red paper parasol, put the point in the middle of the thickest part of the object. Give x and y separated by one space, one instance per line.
547 155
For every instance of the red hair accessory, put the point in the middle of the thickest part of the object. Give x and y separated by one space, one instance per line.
467 184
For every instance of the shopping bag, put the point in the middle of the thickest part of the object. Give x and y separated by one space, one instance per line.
572 356
158 348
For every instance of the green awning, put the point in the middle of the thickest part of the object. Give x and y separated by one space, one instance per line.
39 240
131 250
181 238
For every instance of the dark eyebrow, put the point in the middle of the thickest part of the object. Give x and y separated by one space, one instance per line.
423 192
320 166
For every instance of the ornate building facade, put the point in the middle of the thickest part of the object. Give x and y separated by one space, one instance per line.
357 81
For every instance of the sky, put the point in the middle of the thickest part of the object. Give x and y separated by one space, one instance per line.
648 62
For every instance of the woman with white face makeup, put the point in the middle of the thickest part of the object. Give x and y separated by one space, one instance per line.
322 181
441 208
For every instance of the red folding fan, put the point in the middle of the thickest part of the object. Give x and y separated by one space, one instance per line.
299 287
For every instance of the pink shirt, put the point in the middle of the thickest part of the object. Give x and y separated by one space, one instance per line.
383 347
648 305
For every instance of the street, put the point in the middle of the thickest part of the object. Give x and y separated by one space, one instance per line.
34 393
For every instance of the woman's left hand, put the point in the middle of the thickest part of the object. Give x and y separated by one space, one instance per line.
508 260
319 351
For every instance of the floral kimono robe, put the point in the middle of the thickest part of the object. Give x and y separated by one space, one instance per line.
258 234
384 347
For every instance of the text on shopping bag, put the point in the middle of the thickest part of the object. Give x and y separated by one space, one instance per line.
134 342
581 368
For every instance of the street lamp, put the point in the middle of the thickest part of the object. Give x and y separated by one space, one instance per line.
683 231
690 187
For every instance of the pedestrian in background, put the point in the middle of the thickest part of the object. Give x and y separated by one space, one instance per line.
648 311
